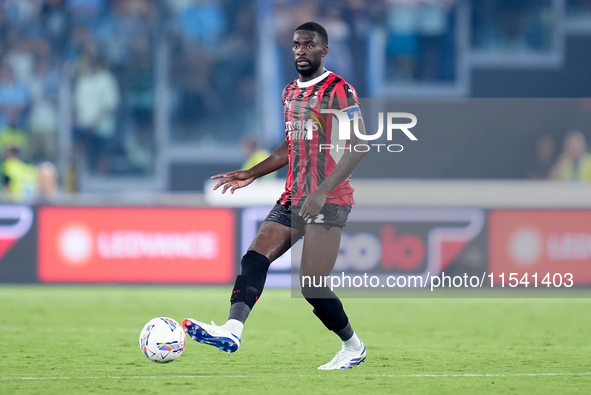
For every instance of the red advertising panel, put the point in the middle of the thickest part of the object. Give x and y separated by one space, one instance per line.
548 243
136 245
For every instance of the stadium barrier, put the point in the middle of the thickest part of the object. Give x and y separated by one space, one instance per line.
409 228
428 193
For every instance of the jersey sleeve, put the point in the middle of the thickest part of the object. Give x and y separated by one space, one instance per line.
286 92
284 96
345 98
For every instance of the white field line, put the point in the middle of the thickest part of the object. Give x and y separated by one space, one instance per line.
302 375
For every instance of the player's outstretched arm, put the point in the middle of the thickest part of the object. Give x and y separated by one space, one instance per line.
315 201
240 178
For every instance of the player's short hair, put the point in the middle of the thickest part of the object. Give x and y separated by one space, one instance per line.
317 28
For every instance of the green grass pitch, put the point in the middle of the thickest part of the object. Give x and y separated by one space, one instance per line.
84 339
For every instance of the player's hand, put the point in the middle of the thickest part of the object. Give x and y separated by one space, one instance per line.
233 180
313 204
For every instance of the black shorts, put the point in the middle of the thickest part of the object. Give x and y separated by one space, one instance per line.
330 216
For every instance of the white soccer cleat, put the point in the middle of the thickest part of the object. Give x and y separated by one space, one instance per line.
213 335
345 359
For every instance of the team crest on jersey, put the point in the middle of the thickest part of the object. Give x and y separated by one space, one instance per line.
313 101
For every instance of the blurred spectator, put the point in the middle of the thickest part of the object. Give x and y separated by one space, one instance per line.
578 9
138 81
57 25
19 178
13 136
254 154
21 12
202 21
212 77
434 40
340 60
402 49
43 119
14 97
128 21
359 16
545 155
420 39
234 56
287 16
44 81
3 30
191 76
140 148
139 98
83 43
96 99
19 55
575 162
512 25
234 71
86 12
47 184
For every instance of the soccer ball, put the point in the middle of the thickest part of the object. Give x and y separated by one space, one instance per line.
162 340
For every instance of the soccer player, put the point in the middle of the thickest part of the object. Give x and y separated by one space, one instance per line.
315 204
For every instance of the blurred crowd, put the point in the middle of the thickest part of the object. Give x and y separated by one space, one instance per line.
571 163
79 64
513 25
82 78
213 50
419 36
579 9
92 66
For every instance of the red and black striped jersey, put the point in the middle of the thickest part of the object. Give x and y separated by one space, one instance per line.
310 132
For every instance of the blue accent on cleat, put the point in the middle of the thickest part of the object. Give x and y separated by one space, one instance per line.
346 359
200 334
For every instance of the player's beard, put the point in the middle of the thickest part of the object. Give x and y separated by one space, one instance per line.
309 69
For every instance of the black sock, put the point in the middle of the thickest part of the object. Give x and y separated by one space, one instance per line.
239 311
346 333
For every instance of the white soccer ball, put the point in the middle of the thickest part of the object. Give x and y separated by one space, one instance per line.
162 340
